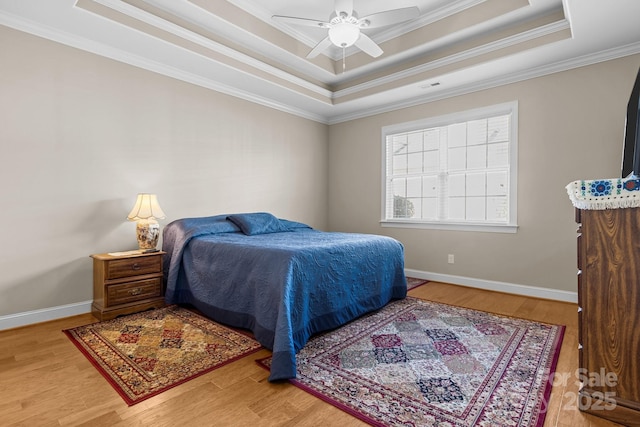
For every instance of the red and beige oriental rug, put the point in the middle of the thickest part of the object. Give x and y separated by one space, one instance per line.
421 363
147 353
413 282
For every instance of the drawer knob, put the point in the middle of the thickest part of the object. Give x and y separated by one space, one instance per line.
136 266
135 291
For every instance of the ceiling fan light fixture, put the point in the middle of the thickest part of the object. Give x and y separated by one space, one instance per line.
344 27
344 34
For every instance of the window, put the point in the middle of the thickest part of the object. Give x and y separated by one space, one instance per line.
452 172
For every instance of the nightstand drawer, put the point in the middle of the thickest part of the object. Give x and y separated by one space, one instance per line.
133 291
119 268
125 283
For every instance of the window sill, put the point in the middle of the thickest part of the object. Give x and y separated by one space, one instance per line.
454 226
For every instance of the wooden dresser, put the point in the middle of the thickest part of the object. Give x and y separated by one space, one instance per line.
126 283
609 313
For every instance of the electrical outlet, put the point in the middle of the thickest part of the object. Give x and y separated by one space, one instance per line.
450 259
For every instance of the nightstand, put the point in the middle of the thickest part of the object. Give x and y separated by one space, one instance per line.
126 282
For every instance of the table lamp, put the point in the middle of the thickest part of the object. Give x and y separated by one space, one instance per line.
146 211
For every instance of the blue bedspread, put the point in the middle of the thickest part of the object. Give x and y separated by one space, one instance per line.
283 286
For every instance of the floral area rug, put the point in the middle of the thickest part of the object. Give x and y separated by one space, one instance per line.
420 363
147 353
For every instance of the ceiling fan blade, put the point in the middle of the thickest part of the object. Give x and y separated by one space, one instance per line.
319 48
345 6
300 21
368 46
389 17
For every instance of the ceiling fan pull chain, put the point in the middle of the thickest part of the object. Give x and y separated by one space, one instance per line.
344 66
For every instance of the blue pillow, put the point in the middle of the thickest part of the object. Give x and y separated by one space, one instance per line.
293 225
257 223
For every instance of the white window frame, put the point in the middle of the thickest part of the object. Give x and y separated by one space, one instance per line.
510 226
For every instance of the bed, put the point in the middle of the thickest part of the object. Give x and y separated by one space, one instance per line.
280 279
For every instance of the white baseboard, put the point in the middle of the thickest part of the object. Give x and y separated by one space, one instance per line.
490 285
44 315
53 313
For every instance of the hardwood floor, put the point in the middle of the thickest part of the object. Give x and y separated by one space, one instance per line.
46 381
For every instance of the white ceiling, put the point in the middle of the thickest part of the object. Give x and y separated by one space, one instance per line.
233 46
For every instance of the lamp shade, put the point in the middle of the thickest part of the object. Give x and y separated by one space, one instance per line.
146 207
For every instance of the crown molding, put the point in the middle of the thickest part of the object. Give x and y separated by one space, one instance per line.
185 34
100 49
458 57
442 12
265 16
581 61
54 34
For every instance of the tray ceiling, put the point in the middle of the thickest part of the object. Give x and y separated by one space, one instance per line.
453 47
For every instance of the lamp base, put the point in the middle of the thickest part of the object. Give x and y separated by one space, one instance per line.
148 232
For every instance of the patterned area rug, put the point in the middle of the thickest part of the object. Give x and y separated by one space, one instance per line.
147 353
413 282
417 362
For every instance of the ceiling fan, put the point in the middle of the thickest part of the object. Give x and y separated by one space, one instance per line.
344 27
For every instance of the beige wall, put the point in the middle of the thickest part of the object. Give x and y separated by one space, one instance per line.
570 127
81 135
